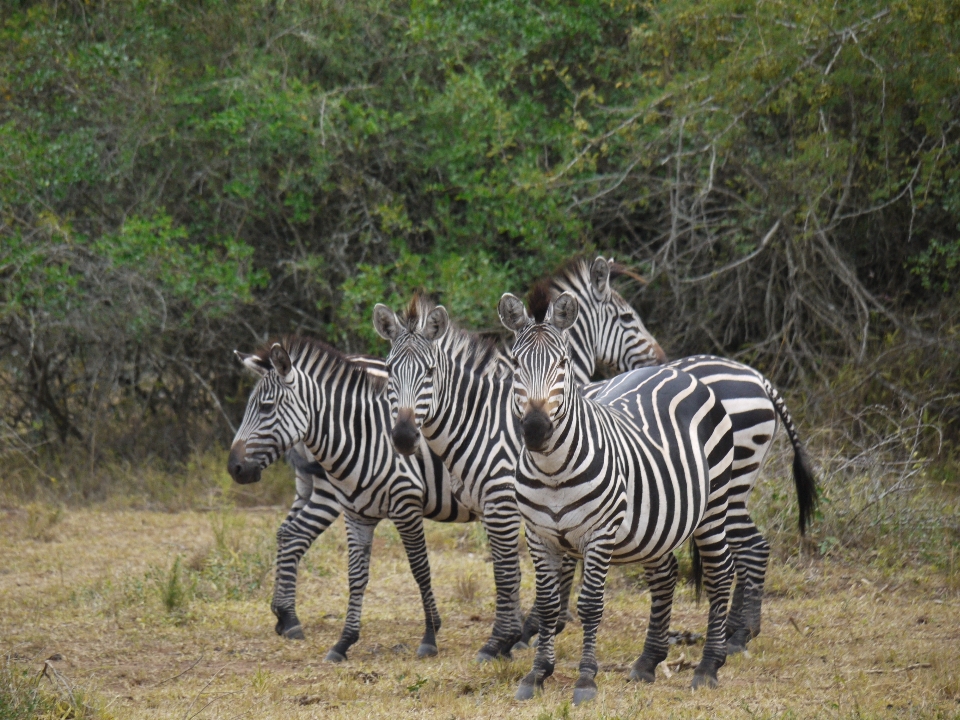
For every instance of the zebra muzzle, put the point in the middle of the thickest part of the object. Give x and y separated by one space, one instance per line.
242 471
405 433
537 428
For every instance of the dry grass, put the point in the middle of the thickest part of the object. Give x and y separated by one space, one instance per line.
162 615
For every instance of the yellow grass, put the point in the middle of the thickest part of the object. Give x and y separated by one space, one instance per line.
838 640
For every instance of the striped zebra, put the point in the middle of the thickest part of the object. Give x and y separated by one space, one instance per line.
609 331
624 476
309 392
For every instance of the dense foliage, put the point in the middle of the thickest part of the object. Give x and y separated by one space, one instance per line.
179 179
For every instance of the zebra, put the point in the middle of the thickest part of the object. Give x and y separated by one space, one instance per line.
310 392
626 475
314 509
609 331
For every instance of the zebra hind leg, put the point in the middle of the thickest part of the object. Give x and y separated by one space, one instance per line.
718 572
359 543
415 545
750 554
662 580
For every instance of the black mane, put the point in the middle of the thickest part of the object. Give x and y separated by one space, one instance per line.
302 350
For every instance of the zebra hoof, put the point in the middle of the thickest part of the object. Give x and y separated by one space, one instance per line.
734 648
701 680
426 650
294 633
334 657
520 645
642 675
525 692
484 657
584 694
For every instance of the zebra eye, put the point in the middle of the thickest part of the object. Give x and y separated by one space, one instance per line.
267 407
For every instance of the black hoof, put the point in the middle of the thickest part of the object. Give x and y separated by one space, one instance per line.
294 633
642 675
737 642
525 692
520 645
734 647
426 650
334 657
703 680
582 695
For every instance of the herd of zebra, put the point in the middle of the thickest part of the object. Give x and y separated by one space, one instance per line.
453 428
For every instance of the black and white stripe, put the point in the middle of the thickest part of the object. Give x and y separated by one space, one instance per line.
625 476
311 393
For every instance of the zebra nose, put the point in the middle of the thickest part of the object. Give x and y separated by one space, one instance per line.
659 353
242 470
536 428
405 433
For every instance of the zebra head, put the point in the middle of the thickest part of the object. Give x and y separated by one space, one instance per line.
608 330
411 364
542 379
276 418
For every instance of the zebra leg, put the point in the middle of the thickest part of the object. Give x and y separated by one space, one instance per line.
411 532
718 572
662 580
547 565
596 562
294 538
751 554
531 624
359 543
503 529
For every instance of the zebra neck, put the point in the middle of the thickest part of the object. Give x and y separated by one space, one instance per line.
470 408
348 427
581 337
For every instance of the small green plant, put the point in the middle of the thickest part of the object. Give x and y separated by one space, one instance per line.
174 592
415 688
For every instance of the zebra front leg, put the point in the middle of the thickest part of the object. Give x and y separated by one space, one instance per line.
411 532
503 531
531 624
294 538
661 576
359 543
596 562
547 564
718 572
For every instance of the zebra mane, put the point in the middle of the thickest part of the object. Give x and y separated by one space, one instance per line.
539 299
477 353
308 351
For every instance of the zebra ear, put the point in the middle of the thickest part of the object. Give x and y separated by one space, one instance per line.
600 276
512 313
564 311
385 322
253 362
436 324
280 360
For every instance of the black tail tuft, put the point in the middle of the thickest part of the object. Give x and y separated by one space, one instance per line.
697 568
806 486
803 478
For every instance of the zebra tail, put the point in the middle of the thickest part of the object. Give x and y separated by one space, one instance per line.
697 568
803 478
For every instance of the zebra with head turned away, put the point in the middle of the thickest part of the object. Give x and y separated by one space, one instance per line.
309 392
610 331
625 476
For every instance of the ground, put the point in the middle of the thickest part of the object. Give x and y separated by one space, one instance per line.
166 615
